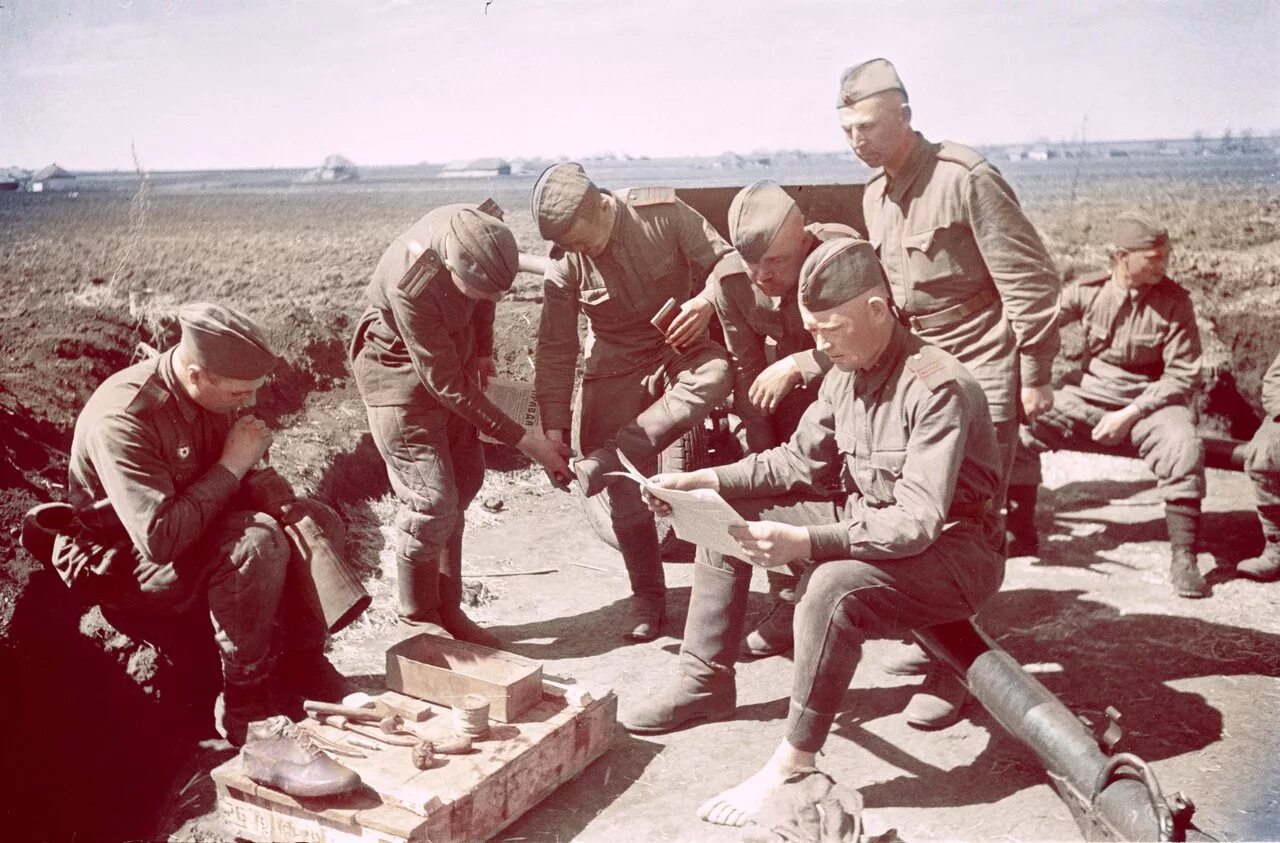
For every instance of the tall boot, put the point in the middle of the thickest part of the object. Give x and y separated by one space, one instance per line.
705 688
1021 537
1267 566
638 544
452 617
418 587
242 701
773 635
1183 519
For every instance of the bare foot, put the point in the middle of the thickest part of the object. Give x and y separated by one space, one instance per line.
737 805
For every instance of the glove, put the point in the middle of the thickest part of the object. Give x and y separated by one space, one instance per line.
809 807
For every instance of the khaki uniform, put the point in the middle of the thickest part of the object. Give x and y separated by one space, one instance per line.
414 357
969 271
160 526
1262 462
1141 350
750 318
637 393
893 471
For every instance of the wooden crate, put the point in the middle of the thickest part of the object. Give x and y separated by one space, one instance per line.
469 797
442 670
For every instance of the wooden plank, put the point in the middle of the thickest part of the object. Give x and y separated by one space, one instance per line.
444 670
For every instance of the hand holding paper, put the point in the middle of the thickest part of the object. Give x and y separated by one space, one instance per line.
699 516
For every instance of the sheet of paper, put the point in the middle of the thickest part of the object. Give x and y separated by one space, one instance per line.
515 399
699 517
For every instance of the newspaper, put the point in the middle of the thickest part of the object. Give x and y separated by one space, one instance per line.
699 517
515 399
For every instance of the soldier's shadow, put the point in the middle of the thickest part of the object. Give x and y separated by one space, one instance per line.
1126 661
590 633
1073 536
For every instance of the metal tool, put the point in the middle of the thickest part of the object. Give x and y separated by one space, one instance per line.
395 738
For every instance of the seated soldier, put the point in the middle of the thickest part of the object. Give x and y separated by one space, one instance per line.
619 258
753 291
902 429
164 520
1140 372
1263 467
421 354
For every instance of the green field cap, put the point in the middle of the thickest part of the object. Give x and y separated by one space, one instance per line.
1133 231
755 216
485 256
557 195
837 271
868 79
225 341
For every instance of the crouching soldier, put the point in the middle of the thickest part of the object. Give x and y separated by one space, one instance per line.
1263 467
421 354
164 517
1141 369
753 291
911 539
619 258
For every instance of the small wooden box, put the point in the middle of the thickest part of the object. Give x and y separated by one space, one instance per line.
442 671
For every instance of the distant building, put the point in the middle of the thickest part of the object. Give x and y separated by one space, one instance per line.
475 168
1041 153
13 178
335 168
50 179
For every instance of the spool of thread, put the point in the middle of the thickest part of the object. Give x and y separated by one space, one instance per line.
471 715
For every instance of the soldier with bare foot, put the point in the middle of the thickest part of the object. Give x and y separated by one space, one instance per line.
911 539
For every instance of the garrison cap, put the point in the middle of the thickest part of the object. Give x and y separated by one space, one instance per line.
225 341
1133 231
840 269
557 195
482 251
755 216
868 79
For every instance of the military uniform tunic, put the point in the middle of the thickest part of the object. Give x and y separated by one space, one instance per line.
1262 460
638 393
749 318
968 268
414 356
892 470
1141 349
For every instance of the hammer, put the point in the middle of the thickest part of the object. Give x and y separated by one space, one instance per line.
388 723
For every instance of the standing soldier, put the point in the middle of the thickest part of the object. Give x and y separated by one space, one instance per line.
1141 369
618 258
421 354
1263 467
966 267
167 519
910 540
753 290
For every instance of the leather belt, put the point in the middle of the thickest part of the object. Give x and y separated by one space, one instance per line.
974 510
956 313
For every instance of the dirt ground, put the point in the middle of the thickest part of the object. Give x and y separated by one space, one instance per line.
1197 682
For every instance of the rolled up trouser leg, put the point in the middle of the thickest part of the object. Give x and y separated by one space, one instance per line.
847 601
704 688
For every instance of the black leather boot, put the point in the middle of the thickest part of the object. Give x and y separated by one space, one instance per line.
452 617
1021 537
643 557
705 688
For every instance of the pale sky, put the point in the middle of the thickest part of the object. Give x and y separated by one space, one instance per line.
258 83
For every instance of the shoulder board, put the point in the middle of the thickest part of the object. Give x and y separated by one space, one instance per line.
929 364
414 281
728 266
639 197
491 208
960 154
150 395
825 231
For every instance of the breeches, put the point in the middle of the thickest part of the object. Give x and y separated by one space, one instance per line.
1165 440
1262 464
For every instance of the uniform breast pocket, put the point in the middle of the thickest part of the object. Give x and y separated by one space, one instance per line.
596 302
941 254
884 470
1145 348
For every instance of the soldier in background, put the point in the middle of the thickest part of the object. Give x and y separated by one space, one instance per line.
618 258
969 272
165 519
1263 467
1141 369
753 290
421 354
901 428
